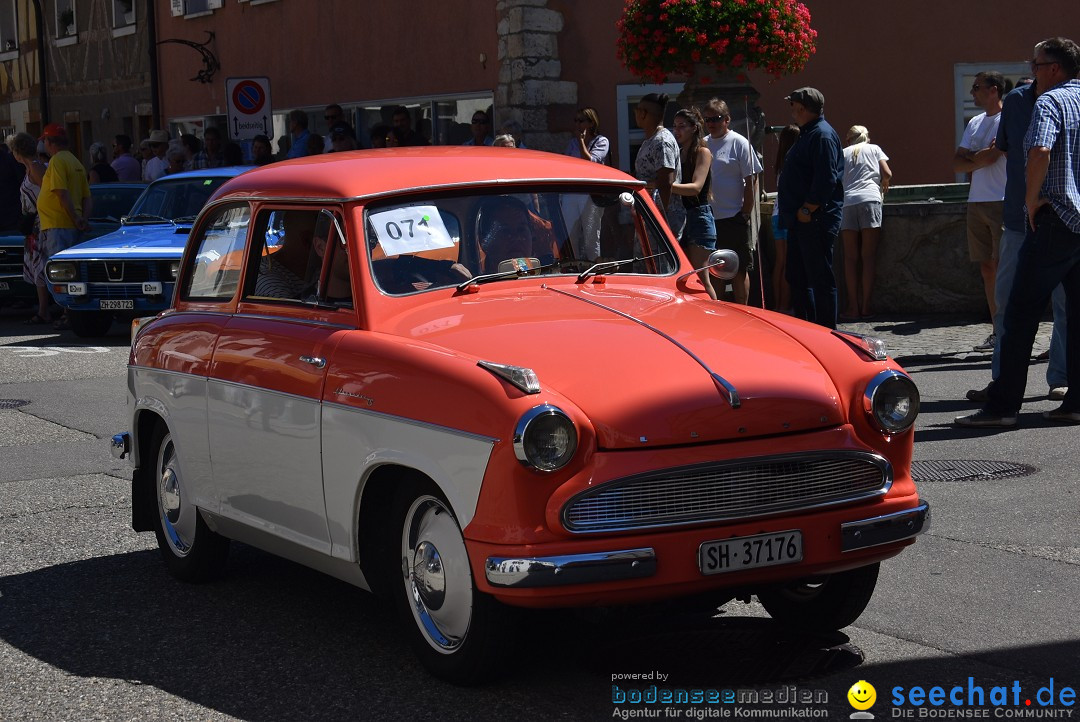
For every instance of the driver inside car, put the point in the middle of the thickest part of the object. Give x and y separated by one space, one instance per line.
509 234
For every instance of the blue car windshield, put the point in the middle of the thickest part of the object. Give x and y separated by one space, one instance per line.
170 200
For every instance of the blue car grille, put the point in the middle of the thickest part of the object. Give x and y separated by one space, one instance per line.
727 491
11 258
122 279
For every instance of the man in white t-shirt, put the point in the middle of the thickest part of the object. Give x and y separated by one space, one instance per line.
986 164
734 191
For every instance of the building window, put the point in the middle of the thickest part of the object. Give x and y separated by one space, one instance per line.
65 18
630 136
123 13
9 27
194 7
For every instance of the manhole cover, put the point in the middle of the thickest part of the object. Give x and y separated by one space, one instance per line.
963 470
12 403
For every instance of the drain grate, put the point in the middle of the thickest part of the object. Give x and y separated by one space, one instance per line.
12 403
964 470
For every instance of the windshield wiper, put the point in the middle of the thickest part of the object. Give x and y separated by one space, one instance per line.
185 219
485 277
598 268
148 216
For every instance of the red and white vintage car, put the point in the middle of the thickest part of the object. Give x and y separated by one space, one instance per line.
474 379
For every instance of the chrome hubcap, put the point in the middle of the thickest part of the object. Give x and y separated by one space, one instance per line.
428 575
177 518
437 576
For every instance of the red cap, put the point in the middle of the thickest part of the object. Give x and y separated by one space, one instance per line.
53 130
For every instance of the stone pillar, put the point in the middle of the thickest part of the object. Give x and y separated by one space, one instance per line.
530 72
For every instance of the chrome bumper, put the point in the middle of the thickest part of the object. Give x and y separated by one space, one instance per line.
571 568
121 445
885 529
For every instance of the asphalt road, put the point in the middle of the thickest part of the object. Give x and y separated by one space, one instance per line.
93 628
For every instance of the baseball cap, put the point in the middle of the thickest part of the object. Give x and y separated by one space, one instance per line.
342 129
53 130
809 98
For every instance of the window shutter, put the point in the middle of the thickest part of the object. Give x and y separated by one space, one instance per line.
177 7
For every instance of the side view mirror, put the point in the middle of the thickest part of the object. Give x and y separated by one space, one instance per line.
722 264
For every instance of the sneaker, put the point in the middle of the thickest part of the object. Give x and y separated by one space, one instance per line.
1062 416
980 395
984 419
1057 393
987 345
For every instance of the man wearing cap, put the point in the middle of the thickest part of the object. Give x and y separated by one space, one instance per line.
158 165
811 198
64 200
342 138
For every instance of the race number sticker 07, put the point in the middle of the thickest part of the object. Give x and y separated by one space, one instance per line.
410 229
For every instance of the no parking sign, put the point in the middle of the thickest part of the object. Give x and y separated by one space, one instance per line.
249 107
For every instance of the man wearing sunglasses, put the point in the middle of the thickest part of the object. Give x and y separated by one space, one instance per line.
978 156
1050 254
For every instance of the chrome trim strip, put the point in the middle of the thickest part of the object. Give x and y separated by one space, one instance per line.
120 445
347 407
566 569
264 316
885 529
876 459
731 393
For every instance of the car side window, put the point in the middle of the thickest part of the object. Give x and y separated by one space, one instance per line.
219 254
285 264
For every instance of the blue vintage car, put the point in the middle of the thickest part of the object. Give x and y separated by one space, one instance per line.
111 201
131 272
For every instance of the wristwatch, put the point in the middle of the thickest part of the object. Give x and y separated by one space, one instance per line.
804 211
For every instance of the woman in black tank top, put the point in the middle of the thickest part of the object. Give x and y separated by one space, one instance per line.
699 236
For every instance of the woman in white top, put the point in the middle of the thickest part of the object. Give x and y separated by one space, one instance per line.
866 181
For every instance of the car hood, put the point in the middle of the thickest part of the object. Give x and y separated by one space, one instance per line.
162 240
640 362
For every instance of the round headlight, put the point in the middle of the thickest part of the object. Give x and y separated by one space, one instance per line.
60 272
892 401
545 438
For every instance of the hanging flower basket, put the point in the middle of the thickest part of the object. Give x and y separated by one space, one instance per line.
660 38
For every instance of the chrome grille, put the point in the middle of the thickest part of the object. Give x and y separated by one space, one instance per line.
724 491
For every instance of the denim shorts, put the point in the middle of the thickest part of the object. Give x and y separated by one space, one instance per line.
700 229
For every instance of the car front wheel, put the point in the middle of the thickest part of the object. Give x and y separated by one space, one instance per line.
825 604
458 632
191 550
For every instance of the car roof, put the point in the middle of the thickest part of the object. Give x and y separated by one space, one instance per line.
225 172
356 174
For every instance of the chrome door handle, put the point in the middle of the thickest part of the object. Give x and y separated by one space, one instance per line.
315 361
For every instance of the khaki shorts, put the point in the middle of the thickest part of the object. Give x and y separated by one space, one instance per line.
984 230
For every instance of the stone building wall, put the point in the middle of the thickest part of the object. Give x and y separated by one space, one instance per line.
530 72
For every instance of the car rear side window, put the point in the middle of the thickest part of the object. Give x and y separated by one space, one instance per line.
219 254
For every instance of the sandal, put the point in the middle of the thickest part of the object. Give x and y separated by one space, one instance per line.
35 320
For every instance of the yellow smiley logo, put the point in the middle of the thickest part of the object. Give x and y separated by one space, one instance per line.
862 695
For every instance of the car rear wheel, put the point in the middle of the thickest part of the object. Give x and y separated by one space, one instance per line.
822 605
89 324
457 632
191 550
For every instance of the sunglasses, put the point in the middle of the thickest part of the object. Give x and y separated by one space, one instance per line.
1035 66
331 117
479 121
715 118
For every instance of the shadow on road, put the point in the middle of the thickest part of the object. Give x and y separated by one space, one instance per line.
276 641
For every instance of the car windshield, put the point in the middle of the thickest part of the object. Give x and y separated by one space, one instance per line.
113 201
445 240
165 201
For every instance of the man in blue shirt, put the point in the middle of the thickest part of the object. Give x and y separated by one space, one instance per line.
811 198
1051 251
298 129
